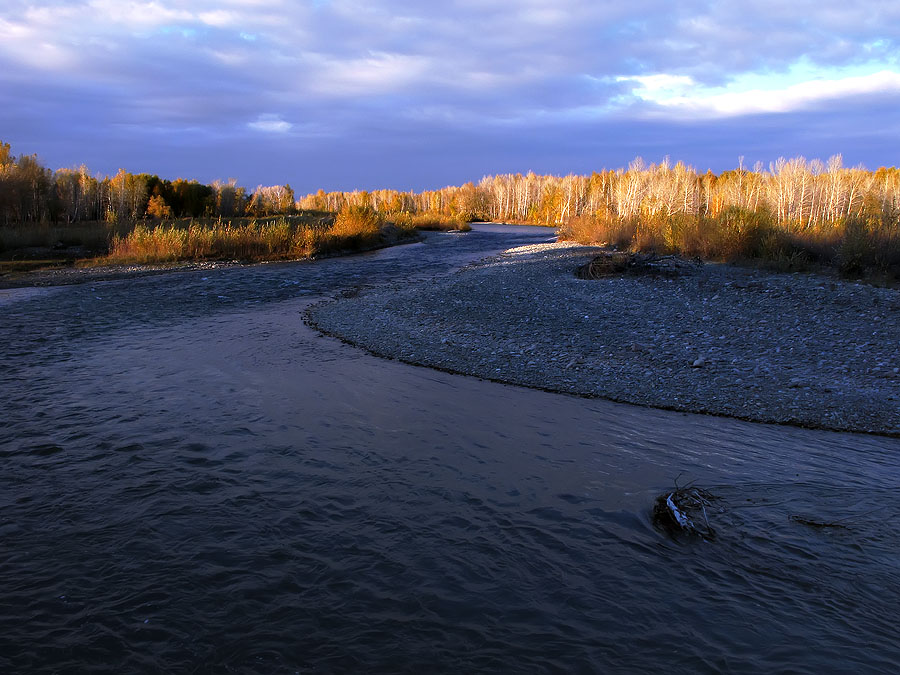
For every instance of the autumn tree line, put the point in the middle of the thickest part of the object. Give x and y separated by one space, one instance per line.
800 193
32 193
794 214
805 194
795 209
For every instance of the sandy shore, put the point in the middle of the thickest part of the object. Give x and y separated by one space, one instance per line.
782 348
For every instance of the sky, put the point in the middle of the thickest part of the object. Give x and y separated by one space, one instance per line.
405 94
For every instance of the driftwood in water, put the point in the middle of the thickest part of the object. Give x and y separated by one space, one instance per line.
685 511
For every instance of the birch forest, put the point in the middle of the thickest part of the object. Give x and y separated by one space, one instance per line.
804 194
794 209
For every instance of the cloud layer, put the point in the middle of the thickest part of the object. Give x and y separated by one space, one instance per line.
346 93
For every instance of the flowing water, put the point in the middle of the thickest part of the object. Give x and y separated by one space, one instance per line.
194 481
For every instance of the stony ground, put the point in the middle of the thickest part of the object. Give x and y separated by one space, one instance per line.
787 348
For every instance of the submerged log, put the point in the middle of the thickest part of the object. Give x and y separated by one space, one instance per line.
684 511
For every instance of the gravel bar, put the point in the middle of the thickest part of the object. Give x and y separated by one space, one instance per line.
781 348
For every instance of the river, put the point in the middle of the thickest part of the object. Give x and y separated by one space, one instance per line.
195 481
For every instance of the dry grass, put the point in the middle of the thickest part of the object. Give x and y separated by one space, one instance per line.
166 243
281 238
359 224
305 235
855 247
602 228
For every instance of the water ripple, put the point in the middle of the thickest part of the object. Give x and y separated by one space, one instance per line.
200 484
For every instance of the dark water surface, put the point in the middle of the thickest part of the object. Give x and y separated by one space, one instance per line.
194 481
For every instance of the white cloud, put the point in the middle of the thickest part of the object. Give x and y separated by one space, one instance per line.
30 45
378 73
218 18
270 124
660 86
682 95
138 14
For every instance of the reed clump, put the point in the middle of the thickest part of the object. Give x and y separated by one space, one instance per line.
855 246
352 229
601 227
357 225
173 242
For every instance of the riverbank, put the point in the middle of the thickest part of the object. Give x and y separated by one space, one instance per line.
44 255
781 348
72 274
68 275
